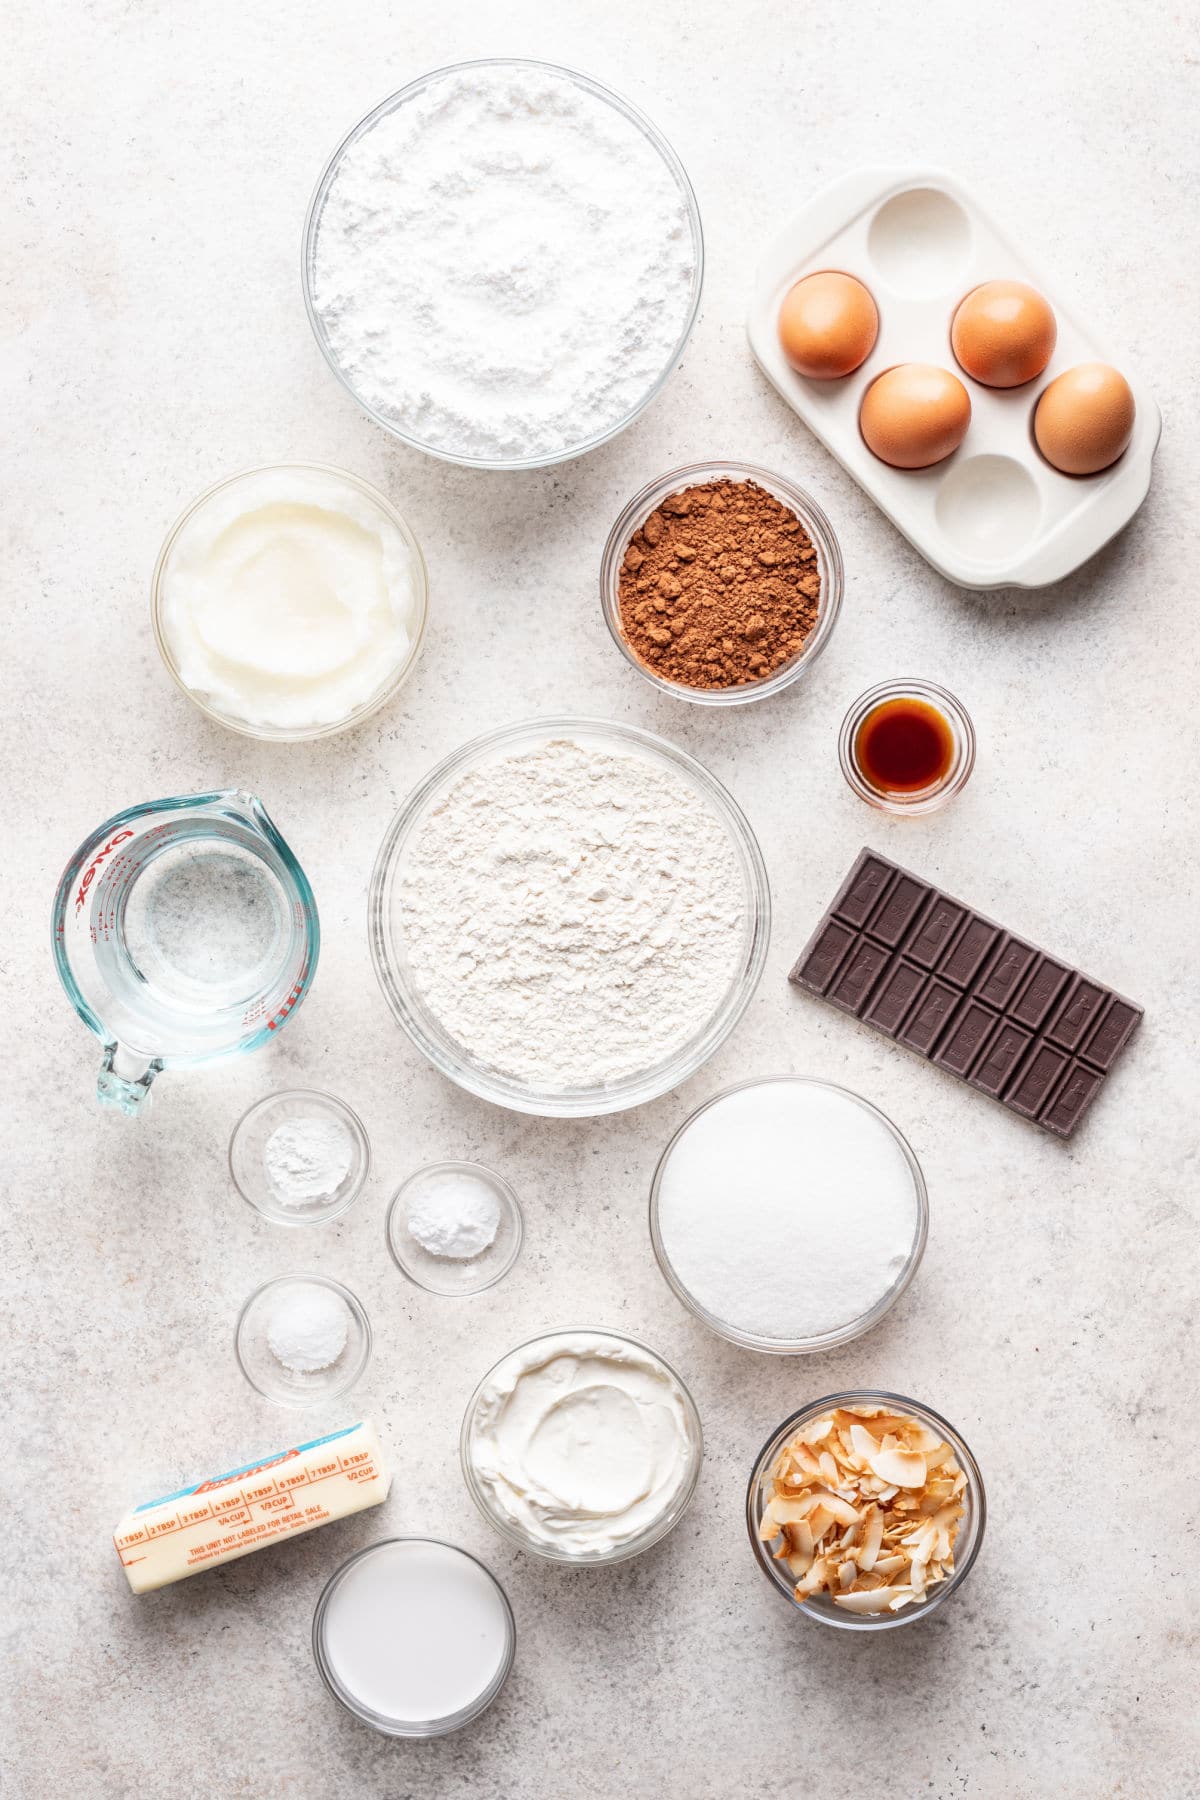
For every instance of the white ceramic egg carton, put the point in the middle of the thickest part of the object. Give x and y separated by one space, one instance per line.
994 514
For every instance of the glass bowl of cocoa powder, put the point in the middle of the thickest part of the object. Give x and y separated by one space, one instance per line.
721 583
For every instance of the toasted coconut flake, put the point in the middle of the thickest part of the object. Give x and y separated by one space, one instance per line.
837 1508
800 1537
905 1468
871 1540
869 1600
865 1506
787 1510
863 1443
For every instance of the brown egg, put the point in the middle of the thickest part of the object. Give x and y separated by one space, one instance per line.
828 324
914 415
1003 333
1084 419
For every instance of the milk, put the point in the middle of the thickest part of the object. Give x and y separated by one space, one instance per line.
416 1632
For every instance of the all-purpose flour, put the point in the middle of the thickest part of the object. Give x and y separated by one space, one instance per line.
572 916
504 265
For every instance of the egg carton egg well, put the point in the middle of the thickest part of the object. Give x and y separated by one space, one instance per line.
993 514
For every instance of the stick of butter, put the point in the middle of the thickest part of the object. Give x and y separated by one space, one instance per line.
227 1516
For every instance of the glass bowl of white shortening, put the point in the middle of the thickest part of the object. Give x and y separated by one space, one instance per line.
406 985
230 618
493 291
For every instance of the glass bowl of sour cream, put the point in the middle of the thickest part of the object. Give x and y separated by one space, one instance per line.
582 1446
289 601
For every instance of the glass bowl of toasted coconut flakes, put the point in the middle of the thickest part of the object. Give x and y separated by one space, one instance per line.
866 1511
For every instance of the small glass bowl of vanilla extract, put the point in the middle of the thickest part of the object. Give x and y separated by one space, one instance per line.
907 746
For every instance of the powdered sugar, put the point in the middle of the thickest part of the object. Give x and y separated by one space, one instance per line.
504 265
572 916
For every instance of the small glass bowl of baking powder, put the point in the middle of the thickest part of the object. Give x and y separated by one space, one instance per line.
828 561
413 91
299 1157
301 1339
438 1226
967 1543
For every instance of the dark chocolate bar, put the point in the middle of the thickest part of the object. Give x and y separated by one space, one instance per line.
965 994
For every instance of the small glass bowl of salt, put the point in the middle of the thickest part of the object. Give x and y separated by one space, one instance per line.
299 1157
301 1339
454 1228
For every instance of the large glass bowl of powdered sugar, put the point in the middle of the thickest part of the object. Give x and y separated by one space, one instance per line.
569 916
502 263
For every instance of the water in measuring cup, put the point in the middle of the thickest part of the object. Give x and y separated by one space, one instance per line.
204 928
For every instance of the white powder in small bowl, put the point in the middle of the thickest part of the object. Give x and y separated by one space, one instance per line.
308 1159
453 1214
787 1209
504 264
308 1328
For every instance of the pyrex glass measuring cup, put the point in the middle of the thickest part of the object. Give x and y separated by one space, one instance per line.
184 930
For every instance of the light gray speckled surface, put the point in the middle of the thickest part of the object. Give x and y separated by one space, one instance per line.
157 166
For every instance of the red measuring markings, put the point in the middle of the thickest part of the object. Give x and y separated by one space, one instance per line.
118 837
276 1021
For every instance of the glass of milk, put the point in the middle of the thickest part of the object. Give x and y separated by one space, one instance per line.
414 1637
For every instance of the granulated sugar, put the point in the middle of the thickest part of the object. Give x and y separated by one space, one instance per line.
504 264
787 1209
572 916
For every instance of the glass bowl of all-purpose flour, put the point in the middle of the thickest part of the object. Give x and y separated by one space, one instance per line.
503 263
568 916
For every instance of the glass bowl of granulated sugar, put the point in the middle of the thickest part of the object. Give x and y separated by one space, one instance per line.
502 263
569 916
788 1215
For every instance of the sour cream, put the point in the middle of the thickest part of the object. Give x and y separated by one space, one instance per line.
289 600
583 1443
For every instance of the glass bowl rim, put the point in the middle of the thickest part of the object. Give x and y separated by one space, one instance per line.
516 1213
811 516
634 1090
282 1215
843 1334
653 1533
925 800
390 104
357 1309
977 1518
289 735
379 1721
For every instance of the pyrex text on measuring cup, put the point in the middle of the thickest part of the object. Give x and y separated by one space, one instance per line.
184 931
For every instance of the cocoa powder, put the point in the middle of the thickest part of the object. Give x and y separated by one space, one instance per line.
719 587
